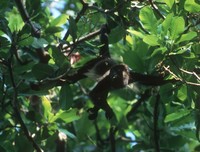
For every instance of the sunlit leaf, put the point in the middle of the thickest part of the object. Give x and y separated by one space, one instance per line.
167 23
188 36
177 115
169 3
182 93
148 19
67 116
136 33
15 20
46 108
177 27
152 40
60 20
192 6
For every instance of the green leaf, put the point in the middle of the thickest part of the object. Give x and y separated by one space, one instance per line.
169 3
67 116
182 93
39 43
15 20
148 19
116 34
62 19
4 42
177 27
26 40
187 37
66 97
46 108
32 92
177 115
152 40
136 33
4 27
192 6
72 28
159 51
59 58
41 71
167 23
23 68
53 30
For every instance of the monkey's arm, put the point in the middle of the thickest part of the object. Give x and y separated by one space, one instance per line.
149 80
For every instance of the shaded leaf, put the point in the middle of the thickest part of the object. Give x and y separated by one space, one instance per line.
66 97
39 43
116 34
53 30
59 58
41 71
72 28
26 40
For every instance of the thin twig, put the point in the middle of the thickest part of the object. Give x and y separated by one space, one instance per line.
156 9
80 14
85 38
180 79
192 73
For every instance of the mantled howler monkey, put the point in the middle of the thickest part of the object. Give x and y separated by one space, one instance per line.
110 75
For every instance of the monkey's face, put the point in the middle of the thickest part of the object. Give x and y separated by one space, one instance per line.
119 75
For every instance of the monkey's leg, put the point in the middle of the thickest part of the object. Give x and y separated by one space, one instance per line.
98 96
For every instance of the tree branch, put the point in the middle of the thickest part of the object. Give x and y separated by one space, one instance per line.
155 124
16 110
144 96
112 139
42 54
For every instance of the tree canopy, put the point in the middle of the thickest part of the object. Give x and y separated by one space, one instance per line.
41 41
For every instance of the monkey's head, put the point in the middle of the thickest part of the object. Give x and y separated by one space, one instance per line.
119 76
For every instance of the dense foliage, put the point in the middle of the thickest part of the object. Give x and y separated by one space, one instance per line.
41 40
